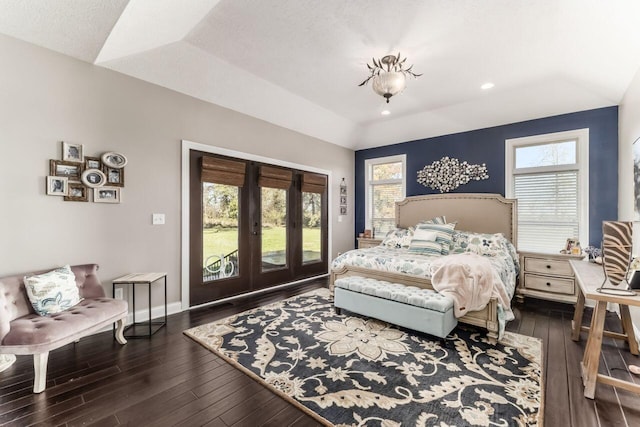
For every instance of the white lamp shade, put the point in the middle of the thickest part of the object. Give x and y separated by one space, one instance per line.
389 83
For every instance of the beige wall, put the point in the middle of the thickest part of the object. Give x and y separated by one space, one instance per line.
46 97
629 131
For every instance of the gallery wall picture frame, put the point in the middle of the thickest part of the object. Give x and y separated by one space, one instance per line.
71 170
94 178
115 176
343 197
107 195
72 152
77 192
114 160
57 185
92 162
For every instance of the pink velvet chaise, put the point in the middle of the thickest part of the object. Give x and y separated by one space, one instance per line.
22 331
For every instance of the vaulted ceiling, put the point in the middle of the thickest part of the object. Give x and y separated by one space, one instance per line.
298 63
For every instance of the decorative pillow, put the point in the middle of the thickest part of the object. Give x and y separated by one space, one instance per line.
424 242
435 220
52 292
398 238
479 243
443 234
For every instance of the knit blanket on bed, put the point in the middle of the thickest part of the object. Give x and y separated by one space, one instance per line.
470 281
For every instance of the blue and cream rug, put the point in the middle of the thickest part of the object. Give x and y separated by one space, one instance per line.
354 371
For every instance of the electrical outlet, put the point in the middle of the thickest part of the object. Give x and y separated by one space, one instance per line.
157 219
119 293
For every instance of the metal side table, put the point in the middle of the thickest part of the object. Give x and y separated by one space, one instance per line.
143 279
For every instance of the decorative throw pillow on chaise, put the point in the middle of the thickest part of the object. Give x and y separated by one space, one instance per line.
52 292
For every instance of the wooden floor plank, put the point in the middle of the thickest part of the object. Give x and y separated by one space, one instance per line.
610 412
259 415
556 379
171 380
581 409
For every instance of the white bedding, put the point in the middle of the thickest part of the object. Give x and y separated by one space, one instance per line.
402 261
503 260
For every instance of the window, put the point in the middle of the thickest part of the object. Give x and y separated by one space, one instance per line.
385 183
549 176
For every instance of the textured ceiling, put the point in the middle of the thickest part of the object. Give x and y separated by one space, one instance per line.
297 63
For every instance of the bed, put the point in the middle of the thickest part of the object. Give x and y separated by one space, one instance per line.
479 213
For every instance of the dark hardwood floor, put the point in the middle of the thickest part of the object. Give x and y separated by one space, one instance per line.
171 380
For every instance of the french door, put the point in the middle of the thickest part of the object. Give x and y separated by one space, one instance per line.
252 226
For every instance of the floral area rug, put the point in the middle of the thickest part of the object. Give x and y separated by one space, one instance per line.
355 371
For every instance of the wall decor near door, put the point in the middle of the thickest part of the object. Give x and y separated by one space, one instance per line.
343 197
617 245
75 174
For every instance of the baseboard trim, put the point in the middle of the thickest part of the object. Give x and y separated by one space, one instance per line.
143 315
156 312
176 307
261 291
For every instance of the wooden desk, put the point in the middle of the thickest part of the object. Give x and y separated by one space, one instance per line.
590 277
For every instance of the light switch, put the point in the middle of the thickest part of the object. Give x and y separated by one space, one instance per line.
157 219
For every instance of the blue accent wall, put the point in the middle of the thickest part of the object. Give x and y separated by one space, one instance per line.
488 146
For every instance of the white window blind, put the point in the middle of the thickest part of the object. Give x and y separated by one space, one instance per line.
385 185
547 209
384 197
548 174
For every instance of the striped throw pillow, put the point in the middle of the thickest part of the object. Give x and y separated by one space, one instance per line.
424 243
435 220
444 234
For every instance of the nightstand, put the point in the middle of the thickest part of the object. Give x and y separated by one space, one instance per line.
368 242
547 276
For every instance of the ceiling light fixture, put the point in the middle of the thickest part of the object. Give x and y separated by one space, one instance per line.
389 75
385 112
487 85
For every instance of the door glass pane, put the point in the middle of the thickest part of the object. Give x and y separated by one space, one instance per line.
274 228
219 231
311 227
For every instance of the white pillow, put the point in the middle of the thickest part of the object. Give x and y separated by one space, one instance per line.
52 292
425 235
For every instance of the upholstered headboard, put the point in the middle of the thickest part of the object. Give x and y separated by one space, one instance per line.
483 213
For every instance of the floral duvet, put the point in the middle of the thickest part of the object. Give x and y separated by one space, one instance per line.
399 260
402 261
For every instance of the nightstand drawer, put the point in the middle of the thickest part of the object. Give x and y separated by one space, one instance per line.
366 242
549 284
548 266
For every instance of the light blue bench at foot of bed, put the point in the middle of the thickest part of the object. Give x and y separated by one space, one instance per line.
423 310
